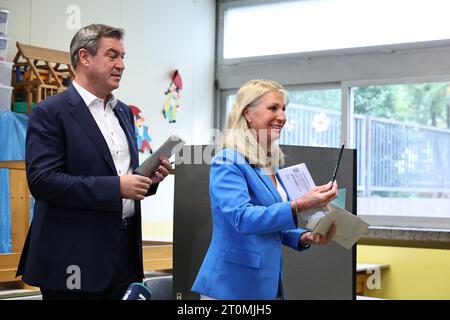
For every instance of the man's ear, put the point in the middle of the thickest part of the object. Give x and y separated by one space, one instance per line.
83 57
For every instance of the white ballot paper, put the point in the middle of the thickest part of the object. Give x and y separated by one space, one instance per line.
297 180
173 144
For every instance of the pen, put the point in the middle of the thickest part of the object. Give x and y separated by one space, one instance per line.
337 164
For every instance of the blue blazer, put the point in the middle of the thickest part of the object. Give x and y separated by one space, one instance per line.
78 208
250 223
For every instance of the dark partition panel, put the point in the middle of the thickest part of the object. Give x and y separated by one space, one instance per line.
325 272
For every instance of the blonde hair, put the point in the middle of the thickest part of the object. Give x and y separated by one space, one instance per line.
238 135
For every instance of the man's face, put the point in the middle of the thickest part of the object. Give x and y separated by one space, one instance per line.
106 67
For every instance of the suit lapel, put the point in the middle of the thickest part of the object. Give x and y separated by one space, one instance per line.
85 120
263 175
121 114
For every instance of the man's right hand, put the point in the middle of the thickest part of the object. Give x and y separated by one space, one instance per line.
134 186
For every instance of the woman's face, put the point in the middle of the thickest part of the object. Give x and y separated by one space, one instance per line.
267 117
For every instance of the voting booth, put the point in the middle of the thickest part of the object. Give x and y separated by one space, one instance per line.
321 272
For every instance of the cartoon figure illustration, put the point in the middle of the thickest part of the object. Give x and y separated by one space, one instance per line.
142 135
173 98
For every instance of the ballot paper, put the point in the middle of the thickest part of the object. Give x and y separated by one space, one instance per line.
349 227
297 180
173 144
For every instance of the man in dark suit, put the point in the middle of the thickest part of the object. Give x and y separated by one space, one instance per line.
85 239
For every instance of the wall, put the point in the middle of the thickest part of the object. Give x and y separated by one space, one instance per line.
414 273
161 36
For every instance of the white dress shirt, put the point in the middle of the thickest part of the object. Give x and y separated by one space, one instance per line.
114 136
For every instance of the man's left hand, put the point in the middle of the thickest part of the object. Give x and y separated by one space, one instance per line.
163 170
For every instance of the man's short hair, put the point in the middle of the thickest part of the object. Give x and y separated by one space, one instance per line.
89 37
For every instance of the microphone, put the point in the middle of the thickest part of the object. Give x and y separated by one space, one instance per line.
137 291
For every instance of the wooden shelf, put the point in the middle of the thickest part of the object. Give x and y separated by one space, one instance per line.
157 256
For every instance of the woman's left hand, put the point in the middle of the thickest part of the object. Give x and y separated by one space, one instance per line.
308 238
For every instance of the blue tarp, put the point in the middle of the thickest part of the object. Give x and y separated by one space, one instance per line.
5 216
13 128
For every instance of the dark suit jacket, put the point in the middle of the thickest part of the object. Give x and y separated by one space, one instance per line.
78 209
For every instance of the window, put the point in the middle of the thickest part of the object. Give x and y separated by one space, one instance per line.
402 133
313 118
317 25
390 92
402 136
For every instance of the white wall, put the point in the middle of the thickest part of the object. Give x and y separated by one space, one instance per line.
161 36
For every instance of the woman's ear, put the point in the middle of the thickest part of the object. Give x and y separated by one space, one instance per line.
247 115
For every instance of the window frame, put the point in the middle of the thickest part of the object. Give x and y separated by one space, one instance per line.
347 68
224 5
436 223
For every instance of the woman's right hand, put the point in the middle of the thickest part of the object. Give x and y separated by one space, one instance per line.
317 197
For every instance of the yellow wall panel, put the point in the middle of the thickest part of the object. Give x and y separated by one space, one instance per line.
413 273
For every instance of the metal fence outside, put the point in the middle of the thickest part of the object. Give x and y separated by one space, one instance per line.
392 156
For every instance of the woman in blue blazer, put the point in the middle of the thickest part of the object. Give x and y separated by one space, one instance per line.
252 215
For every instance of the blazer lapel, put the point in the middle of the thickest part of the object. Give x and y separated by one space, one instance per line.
126 125
85 120
263 175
